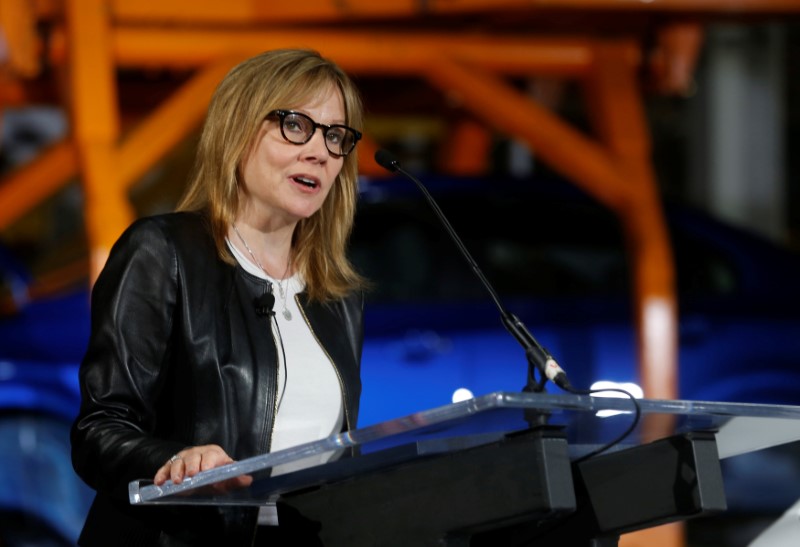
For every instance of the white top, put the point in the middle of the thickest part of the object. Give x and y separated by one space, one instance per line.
310 399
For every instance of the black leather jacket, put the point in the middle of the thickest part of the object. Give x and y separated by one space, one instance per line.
179 357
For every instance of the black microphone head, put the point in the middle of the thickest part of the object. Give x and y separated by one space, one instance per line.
264 304
387 160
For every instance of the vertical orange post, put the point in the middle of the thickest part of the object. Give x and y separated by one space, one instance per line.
18 29
95 125
466 148
615 105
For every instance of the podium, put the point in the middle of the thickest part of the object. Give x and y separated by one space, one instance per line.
501 469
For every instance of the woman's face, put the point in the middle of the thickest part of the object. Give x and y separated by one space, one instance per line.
285 182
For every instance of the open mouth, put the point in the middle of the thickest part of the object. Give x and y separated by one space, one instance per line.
308 183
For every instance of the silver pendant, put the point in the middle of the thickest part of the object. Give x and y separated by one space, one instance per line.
287 314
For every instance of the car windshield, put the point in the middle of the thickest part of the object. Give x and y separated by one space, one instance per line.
526 244
530 239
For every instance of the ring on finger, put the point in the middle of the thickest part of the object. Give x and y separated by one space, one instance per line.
173 459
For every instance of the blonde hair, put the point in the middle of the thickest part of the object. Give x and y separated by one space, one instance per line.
284 78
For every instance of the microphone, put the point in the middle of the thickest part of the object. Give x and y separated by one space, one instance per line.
538 358
264 304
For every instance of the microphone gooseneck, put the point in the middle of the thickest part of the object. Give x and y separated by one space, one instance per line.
538 358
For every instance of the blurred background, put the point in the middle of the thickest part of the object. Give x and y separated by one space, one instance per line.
622 170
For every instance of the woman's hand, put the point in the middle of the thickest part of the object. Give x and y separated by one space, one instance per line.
190 461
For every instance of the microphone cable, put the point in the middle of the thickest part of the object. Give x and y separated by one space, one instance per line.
637 415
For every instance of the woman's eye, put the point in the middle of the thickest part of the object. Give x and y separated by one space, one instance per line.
335 136
293 126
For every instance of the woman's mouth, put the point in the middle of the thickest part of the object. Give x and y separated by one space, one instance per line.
306 181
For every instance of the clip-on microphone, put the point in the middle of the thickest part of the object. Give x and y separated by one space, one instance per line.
264 304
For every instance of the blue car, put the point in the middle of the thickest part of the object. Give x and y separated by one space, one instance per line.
558 260
42 501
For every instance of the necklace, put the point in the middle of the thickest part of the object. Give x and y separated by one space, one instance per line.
283 292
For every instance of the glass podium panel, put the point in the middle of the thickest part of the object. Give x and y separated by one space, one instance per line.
587 422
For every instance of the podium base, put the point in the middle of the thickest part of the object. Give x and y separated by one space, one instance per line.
443 500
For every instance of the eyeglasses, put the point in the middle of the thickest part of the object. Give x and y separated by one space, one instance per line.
297 128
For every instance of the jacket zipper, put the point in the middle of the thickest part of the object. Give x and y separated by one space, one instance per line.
271 425
333 364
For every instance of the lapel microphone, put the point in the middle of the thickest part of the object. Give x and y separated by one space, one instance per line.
264 304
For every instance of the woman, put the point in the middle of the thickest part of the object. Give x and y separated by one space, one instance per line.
232 327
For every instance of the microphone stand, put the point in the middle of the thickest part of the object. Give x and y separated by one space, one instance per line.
539 359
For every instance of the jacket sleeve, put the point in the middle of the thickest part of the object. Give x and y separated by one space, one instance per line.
125 365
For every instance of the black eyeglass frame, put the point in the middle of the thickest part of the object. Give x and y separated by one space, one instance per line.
281 115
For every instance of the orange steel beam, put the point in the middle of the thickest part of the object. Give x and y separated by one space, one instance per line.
95 126
36 181
683 6
512 113
369 52
250 11
171 122
362 52
257 11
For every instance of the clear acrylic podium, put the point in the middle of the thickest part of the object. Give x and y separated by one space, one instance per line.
501 469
